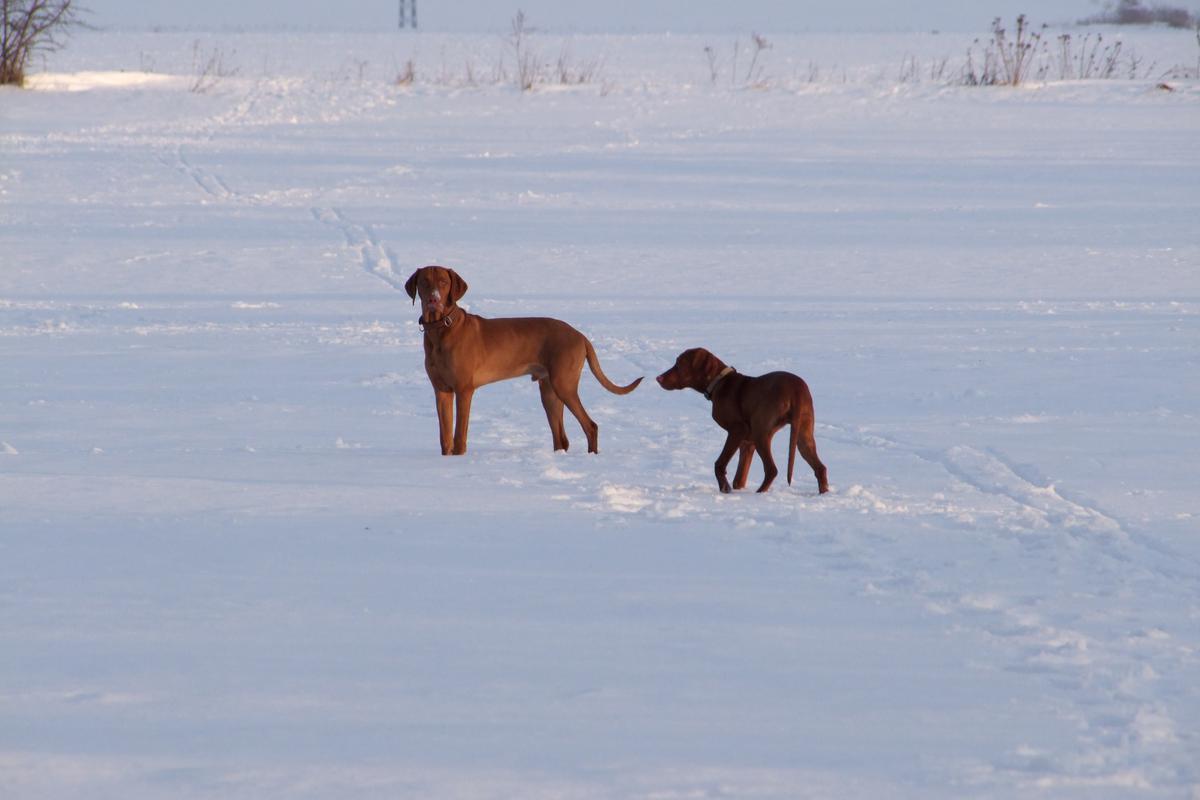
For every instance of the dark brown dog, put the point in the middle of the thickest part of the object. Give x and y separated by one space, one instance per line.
751 410
465 351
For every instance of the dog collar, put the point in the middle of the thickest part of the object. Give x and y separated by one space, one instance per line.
444 322
708 393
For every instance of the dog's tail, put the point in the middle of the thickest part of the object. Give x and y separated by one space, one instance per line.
594 363
794 438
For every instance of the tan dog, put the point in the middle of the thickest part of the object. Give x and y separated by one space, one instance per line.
751 410
465 351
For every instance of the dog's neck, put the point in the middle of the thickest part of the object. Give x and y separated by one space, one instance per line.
443 322
712 385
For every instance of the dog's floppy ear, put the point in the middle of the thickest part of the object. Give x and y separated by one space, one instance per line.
707 364
410 286
458 287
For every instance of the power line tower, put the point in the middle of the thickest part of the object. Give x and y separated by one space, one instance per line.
408 13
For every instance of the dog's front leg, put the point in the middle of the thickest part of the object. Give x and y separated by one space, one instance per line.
731 447
445 414
462 418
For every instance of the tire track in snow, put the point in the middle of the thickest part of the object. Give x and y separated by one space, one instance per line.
991 473
375 258
1107 680
208 182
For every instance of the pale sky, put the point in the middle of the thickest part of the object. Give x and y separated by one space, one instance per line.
681 16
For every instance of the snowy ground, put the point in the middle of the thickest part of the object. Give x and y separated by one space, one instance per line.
232 563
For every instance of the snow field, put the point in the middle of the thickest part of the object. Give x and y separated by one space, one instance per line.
234 565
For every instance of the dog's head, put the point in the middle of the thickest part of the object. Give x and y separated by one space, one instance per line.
694 369
439 288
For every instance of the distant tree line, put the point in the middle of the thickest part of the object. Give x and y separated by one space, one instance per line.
1132 12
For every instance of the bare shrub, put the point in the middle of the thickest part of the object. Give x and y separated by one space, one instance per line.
569 72
937 70
30 26
1016 56
1093 59
710 57
406 75
754 72
528 62
1004 62
529 68
911 70
209 69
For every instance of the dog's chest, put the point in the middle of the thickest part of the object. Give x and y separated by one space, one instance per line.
443 359
725 416
727 405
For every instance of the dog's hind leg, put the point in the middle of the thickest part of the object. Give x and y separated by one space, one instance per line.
567 389
808 449
742 473
762 444
554 414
